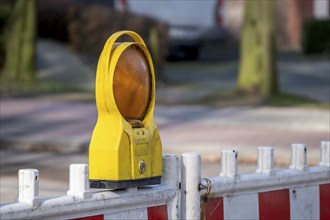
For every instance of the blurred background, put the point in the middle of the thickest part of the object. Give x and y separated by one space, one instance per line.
230 75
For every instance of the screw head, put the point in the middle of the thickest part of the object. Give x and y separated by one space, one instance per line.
142 166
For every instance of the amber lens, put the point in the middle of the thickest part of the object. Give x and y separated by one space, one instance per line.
132 84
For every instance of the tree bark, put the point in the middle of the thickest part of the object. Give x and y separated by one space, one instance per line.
257 71
20 42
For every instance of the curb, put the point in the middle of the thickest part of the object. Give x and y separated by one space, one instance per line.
211 153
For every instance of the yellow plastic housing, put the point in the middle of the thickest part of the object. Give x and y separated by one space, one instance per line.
119 149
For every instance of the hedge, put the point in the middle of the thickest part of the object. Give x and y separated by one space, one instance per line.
316 36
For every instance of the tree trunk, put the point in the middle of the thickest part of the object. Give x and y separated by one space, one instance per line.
20 42
257 71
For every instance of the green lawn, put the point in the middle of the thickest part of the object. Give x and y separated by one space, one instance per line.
13 88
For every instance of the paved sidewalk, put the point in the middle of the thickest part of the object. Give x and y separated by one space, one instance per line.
57 126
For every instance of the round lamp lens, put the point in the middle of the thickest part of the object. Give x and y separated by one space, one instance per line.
132 84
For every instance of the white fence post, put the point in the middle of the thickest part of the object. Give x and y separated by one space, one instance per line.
299 157
229 163
171 177
266 160
325 154
190 180
28 186
79 183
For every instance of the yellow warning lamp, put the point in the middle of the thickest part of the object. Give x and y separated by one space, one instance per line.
125 149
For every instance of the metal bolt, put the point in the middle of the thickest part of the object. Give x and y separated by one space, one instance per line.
142 166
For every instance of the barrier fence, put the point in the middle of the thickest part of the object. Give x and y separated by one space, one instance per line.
152 202
299 192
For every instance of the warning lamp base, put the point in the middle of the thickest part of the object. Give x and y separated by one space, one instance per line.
123 184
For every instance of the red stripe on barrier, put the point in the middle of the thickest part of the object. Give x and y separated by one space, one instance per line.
214 209
95 217
325 202
274 205
157 213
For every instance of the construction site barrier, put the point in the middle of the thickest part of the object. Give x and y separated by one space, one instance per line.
299 192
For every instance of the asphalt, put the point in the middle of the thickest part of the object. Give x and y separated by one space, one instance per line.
48 132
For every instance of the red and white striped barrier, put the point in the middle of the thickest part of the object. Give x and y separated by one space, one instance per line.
300 192
150 213
307 202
